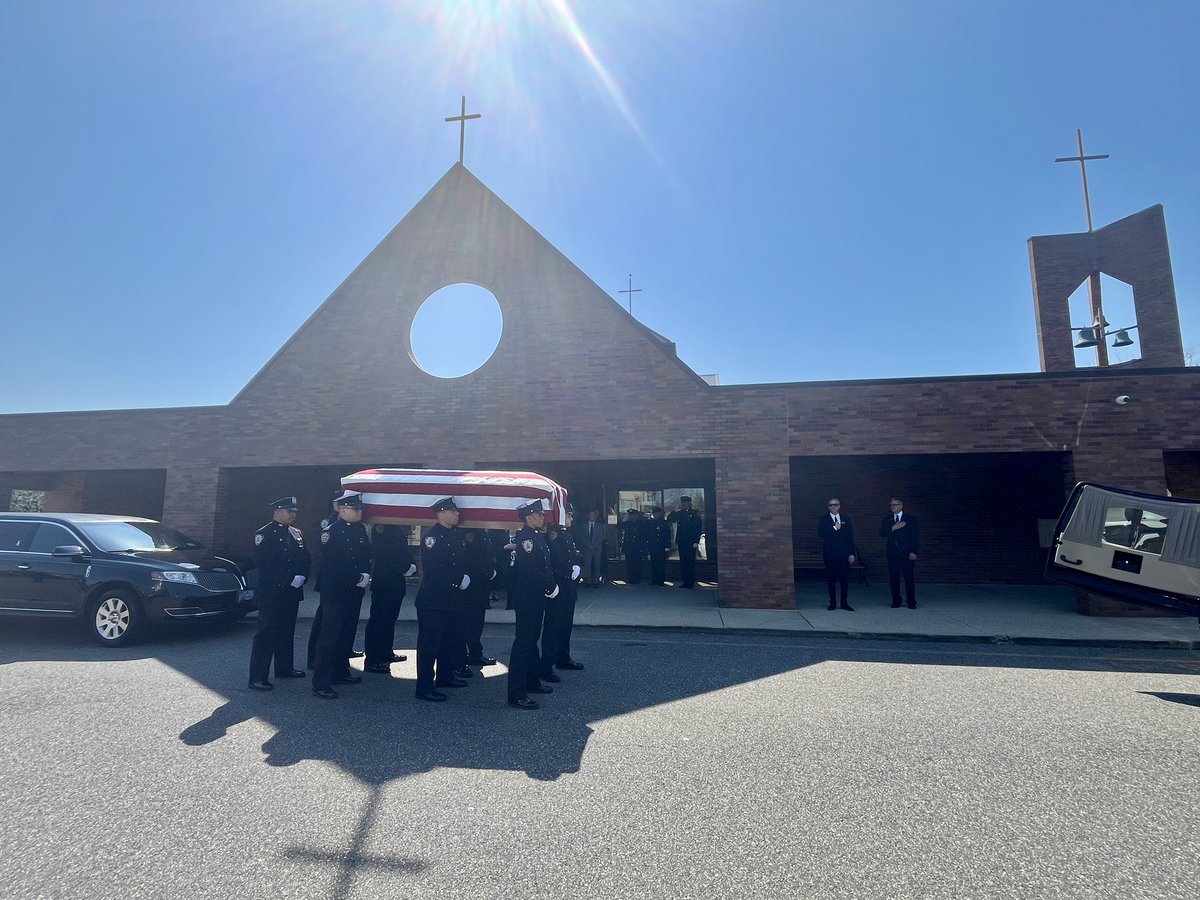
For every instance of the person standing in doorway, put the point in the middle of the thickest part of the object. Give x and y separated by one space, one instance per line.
688 531
903 536
633 544
660 546
591 539
837 548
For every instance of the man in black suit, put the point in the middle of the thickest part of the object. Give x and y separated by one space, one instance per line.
837 546
903 536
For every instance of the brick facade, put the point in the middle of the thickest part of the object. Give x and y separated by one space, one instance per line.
579 389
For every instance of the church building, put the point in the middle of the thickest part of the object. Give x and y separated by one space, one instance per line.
581 392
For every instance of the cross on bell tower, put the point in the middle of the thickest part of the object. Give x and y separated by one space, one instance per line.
461 119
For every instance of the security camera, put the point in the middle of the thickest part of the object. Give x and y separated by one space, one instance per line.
1122 400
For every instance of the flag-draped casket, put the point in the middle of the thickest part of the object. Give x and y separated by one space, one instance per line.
485 499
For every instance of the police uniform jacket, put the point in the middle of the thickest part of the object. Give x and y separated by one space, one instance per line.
392 558
688 526
635 535
533 576
325 525
443 565
480 565
345 555
563 555
660 536
280 555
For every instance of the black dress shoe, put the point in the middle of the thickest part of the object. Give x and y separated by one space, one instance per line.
523 703
912 605
551 677
325 693
847 607
481 661
347 679
261 686
398 657
379 668
832 606
356 654
540 689
464 672
569 666
895 604
431 696
452 682
294 673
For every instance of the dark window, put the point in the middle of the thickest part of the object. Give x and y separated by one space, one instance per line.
14 536
49 536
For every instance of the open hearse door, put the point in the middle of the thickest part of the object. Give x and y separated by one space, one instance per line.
1132 546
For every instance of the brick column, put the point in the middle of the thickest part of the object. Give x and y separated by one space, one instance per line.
190 501
754 529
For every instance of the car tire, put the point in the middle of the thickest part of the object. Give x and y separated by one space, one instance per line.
114 618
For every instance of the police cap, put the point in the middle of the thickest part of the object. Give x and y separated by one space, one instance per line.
444 503
352 499
530 509
285 503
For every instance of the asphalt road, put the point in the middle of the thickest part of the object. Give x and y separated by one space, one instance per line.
675 766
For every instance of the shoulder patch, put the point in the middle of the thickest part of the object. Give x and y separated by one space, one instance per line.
430 541
325 537
527 546
258 539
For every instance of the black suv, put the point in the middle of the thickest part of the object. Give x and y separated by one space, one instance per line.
115 573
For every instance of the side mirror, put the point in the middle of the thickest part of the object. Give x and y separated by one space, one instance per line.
69 550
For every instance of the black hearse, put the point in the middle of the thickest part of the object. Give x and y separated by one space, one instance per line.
113 573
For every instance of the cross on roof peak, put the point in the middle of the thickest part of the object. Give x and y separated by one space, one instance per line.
461 119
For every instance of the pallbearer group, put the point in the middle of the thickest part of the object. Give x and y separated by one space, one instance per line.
459 569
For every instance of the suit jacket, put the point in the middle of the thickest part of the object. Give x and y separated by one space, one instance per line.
902 541
596 540
837 544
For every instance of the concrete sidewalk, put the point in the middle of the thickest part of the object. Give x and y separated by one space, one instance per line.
1018 613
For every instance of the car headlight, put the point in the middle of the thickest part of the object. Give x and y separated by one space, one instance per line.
179 577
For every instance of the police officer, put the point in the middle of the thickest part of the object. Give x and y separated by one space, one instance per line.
393 564
533 584
565 561
480 565
688 530
660 546
444 578
633 544
283 564
346 572
314 633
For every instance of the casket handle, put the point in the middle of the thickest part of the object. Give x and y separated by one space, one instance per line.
1073 562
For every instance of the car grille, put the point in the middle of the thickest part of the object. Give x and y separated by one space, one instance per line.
218 581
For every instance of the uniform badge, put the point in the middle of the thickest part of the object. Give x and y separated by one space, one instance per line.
429 542
258 539
324 537
527 545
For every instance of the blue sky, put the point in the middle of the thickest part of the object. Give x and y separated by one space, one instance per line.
802 190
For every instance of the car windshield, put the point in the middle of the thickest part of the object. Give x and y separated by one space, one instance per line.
118 537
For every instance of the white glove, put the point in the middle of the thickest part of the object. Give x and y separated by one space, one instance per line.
575 570
364 579
298 581
493 578
550 595
466 582
412 570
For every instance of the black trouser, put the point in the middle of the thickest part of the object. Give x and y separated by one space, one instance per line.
551 630
523 660
474 618
380 637
339 625
897 566
658 567
687 564
276 633
566 620
837 572
314 634
633 566
437 632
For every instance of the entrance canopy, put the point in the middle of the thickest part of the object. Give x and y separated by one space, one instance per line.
486 499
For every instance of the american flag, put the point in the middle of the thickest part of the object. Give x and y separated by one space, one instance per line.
486 499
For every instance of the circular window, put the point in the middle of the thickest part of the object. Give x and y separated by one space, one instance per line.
456 330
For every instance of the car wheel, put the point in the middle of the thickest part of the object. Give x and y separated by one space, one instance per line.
114 618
